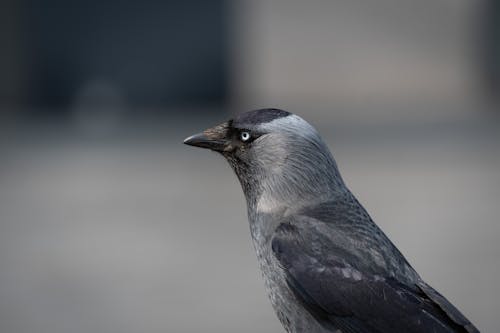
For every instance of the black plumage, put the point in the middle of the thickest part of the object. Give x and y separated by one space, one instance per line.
345 289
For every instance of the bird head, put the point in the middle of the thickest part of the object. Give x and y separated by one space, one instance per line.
275 154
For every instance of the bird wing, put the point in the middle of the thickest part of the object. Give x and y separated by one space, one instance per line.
450 310
343 295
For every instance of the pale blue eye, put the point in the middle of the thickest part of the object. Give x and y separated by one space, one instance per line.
244 136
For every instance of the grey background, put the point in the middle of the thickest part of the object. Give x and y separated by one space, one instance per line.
109 224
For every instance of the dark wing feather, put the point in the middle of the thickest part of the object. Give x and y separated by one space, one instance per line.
448 308
338 294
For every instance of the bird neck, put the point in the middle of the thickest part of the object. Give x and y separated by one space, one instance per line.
305 178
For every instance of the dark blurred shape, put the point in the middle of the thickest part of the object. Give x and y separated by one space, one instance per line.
10 57
157 53
491 40
98 108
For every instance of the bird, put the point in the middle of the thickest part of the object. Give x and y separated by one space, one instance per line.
326 265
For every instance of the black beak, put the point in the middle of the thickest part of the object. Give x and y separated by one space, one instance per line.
213 138
201 140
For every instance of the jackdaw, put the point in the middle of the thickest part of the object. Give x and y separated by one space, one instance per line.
327 266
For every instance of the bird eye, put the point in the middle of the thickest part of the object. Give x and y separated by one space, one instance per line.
244 136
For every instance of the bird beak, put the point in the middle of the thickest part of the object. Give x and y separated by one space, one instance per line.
212 138
202 141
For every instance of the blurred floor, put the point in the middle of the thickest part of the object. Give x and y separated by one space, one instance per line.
137 233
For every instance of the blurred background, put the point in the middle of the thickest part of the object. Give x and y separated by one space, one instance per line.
109 224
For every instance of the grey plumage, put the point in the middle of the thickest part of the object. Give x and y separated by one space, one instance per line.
326 265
